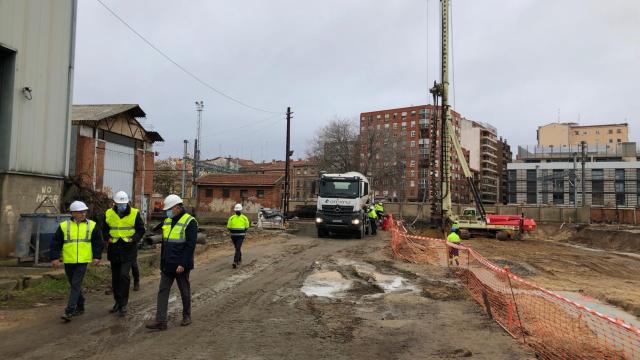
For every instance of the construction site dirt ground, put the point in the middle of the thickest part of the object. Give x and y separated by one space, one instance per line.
294 297
573 259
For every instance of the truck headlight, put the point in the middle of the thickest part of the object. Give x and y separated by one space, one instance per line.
318 220
355 221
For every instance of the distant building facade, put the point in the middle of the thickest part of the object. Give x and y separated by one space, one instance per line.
565 134
548 176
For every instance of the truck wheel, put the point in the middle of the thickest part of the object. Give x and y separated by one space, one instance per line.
322 233
465 234
502 235
360 233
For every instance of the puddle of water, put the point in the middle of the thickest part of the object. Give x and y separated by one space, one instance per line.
595 304
328 284
393 283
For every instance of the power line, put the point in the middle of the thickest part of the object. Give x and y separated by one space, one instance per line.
192 75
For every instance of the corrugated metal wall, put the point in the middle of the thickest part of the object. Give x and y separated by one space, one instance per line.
40 31
118 168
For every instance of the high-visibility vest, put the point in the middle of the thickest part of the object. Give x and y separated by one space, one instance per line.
453 237
238 223
76 248
121 228
176 234
379 207
455 225
373 214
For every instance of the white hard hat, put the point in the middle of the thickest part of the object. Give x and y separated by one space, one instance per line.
78 206
171 201
238 207
121 197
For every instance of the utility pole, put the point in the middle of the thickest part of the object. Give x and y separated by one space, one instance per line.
184 169
197 145
286 165
446 146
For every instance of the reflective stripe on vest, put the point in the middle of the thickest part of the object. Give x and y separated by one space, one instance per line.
453 237
121 228
373 214
76 248
176 234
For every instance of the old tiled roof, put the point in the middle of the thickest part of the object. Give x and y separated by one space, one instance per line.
103 111
241 179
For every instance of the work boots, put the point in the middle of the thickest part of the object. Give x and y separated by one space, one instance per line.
186 321
136 285
156 325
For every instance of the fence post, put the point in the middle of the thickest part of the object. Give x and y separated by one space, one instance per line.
513 296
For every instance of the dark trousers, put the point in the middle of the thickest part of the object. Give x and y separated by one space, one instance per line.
374 226
237 243
166 281
135 271
75 274
120 282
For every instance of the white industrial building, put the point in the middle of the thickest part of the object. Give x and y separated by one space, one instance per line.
37 41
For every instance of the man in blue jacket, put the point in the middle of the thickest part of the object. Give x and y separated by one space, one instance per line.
179 233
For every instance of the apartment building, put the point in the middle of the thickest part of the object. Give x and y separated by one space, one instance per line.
395 153
487 157
564 134
548 176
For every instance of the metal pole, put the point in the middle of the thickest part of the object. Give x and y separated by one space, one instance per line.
446 150
582 179
184 169
575 181
286 165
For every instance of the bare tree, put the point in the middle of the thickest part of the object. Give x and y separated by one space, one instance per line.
383 157
335 146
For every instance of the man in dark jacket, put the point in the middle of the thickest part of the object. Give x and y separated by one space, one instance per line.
179 233
77 242
122 228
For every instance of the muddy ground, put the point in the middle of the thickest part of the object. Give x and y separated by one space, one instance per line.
551 258
359 304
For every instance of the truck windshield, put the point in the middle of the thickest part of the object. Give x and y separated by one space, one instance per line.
339 189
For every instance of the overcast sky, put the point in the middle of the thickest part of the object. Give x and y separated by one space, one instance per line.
517 64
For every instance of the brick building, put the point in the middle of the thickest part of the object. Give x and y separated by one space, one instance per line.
304 178
112 151
395 152
505 156
217 193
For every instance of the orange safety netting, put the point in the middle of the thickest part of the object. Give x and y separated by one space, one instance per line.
554 326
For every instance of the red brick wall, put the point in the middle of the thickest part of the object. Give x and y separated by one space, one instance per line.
84 160
272 195
141 172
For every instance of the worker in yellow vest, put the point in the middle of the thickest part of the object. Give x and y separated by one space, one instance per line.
454 238
238 224
373 218
179 234
122 228
76 243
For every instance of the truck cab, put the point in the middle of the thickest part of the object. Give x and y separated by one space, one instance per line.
341 202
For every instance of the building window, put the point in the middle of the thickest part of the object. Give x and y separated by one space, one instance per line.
619 131
386 126
610 131
512 186
619 141
532 183
619 187
413 123
395 125
412 163
208 193
577 132
413 144
244 193
413 183
413 133
404 125
610 141
226 193
597 187
558 187
638 187
260 193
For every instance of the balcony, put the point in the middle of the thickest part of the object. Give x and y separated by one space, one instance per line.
489 145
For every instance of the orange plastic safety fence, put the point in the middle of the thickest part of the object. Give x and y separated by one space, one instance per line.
553 326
